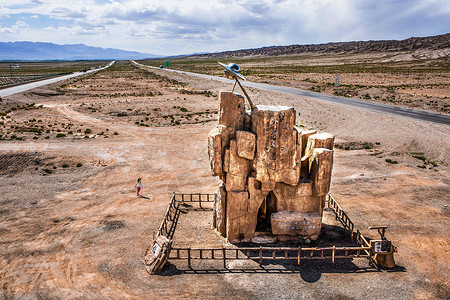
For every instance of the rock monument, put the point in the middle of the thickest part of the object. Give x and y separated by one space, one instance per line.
274 176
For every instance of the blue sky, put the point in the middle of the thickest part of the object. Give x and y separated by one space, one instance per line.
170 27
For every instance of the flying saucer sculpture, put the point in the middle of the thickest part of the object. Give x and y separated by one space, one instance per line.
232 71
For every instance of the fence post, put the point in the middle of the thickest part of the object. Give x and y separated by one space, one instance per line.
224 258
189 258
260 256
200 200
332 255
298 255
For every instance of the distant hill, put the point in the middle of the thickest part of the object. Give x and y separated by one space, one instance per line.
49 51
415 43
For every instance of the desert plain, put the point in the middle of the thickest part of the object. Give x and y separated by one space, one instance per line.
71 225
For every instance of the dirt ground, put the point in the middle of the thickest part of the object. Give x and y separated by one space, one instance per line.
72 227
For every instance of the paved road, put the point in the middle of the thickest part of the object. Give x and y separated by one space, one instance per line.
28 86
383 108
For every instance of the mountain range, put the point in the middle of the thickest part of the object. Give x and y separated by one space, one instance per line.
437 42
29 51
23 51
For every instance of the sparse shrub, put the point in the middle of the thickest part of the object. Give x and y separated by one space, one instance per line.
47 137
79 165
116 133
422 166
60 135
48 171
183 109
65 165
347 147
70 132
421 157
87 131
388 160
377 143
35 138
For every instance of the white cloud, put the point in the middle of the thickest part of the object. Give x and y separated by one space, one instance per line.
16 29
179 26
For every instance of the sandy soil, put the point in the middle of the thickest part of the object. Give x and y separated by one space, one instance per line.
81 232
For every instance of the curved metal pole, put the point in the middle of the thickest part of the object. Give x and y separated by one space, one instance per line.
245 93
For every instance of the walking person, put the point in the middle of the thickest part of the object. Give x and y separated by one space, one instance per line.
139 186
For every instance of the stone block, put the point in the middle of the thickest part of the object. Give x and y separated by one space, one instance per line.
231 110
215 152
292 223
289 176
319 140
220 210
235 182
268 185
237 221
228 133
157 255
246 143
321 166
305 136
298 151
226 161
238 165
275 142
297 198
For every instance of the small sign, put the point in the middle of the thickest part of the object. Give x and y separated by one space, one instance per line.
167 63
337 83
381 246
155 249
